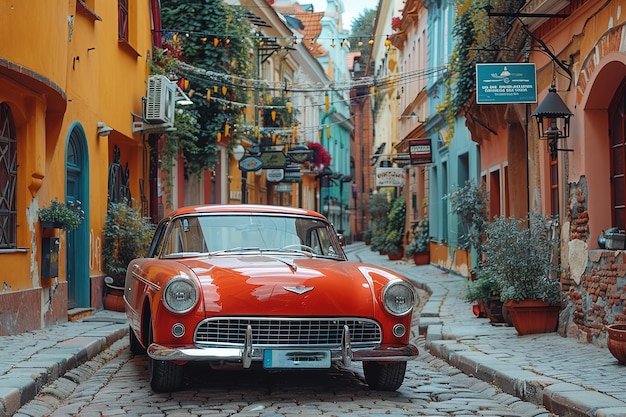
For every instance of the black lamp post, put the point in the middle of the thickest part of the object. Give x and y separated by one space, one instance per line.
556 115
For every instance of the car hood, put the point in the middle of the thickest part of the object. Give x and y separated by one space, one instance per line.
291 286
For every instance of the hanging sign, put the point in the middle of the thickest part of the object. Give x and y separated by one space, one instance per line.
389 177
250 163
506 83
274 174
420 151
274 159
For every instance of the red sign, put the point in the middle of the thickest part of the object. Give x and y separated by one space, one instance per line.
420 151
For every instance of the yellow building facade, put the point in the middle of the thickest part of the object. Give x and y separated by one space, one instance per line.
72 77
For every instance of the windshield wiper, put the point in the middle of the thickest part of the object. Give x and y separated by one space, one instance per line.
238 249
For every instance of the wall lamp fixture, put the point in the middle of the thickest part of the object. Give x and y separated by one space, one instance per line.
103 129
554 113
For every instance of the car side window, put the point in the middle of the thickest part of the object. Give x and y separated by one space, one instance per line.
157 241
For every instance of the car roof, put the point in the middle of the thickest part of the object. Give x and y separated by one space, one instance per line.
244 208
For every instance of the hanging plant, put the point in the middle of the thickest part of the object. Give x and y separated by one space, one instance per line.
321 157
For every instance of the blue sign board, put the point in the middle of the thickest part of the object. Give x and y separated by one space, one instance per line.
506 83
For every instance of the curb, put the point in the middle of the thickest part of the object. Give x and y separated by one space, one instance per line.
49 364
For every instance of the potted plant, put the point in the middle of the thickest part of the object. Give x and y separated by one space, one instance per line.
394 232
127 235
485 292
418 247
378 207
67 216
521 260
469 203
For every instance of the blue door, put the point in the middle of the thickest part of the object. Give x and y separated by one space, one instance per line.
77 241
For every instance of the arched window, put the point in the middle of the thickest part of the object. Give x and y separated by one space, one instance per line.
8 179
618 158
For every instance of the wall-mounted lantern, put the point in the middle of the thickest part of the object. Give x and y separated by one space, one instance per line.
553 113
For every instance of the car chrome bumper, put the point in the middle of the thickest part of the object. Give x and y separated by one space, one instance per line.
249 353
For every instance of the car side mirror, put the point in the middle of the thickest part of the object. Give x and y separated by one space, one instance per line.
342 239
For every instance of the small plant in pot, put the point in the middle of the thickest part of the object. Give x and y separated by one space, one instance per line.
67 216
127 235
520 255
418 247
484 290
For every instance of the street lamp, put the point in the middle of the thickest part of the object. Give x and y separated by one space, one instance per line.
557 116
238 152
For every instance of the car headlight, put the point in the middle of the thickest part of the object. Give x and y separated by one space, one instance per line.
180 294
398 298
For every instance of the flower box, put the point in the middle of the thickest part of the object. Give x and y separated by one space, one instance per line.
615 240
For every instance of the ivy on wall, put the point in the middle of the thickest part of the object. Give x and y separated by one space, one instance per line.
475 42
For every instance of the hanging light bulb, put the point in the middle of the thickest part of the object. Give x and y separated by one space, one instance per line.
371 41
256 131
387 42
219 136
226 129
224 90
227 41
204 39
288 105
215 89
360 43
216 41
332 45
273 115
208 94
175 37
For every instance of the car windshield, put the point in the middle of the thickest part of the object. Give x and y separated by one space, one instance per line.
238 233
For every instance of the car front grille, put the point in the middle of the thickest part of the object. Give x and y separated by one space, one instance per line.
230 331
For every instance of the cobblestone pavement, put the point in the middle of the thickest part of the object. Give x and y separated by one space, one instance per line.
120 388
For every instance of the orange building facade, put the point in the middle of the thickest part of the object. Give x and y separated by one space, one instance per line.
70 82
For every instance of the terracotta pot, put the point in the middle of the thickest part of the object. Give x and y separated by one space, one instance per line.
114 299
533 316
421 258
496 312
616 341
479 309
397 256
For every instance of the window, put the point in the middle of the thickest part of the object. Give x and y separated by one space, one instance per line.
122 20
8 179
618 154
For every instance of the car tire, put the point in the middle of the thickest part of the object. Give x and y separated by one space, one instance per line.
384 377
165 376
135 346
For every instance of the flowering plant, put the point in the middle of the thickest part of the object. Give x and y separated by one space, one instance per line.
395 22
67 216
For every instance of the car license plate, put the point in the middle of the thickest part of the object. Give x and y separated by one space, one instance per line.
301 358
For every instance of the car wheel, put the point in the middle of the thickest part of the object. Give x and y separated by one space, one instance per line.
165 376
384 377
135 345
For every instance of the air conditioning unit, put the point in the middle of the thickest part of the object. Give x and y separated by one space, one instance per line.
160 100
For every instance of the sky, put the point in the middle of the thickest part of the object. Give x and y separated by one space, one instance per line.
353 8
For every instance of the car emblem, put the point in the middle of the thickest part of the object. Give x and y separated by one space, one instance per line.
300 289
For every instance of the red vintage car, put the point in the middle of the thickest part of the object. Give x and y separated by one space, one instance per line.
264 286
